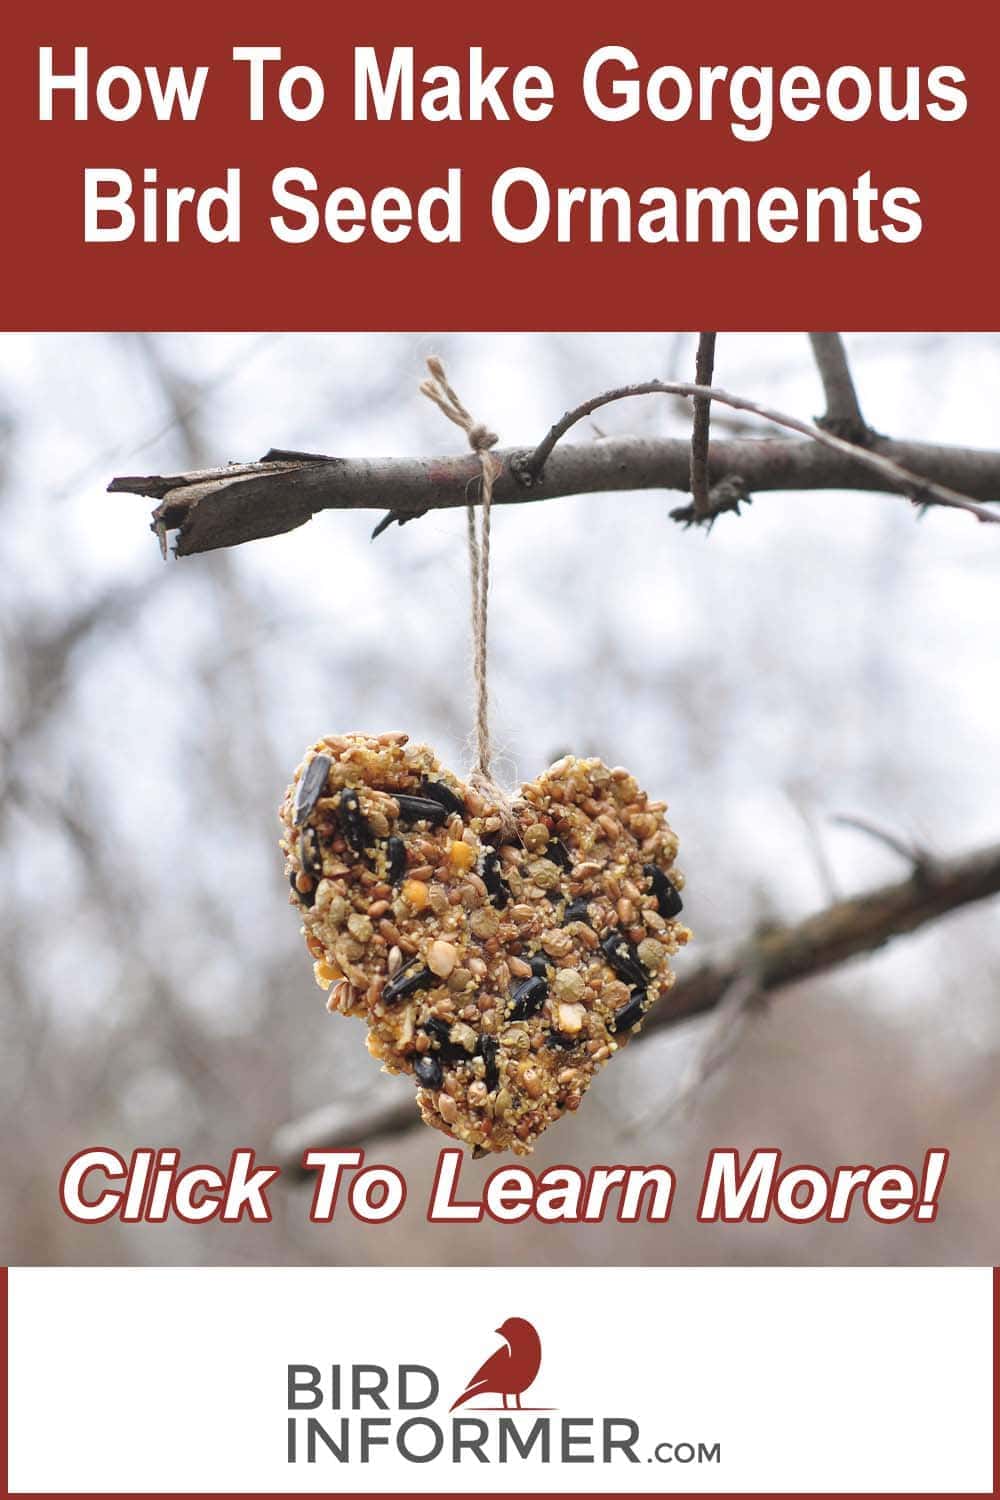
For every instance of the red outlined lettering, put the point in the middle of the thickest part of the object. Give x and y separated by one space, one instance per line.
75 1174
376 1195
559 1195
801 1194
153 1189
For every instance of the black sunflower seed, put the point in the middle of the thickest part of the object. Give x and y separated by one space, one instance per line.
527 998
439 791
668 897
632 1011
395 860
623 959
440 1032
353 822
488 1049
493 880
577 911
560 1039
305 898
407 982
558 853
540 966
420 809
428 1071
310 853
311 787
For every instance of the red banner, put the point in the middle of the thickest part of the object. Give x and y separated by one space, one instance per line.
657 166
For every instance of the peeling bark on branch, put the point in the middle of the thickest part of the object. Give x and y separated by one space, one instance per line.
239 503
775 959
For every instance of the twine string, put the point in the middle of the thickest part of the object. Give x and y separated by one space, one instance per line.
437 389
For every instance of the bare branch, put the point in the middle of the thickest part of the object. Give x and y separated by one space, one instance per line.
725 1031
918 487
238 503
703 370
843 414
774 959
336 1127
917 857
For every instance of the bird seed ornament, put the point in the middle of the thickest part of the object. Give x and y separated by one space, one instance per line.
500 949
500 955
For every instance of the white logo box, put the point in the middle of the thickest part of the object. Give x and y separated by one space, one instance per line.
730 1380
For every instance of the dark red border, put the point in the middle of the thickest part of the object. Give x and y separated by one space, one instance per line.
54 280
671 1495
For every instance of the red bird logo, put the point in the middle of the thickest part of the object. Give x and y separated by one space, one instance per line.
509 1370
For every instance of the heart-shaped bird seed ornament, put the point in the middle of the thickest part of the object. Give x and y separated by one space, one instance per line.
501 954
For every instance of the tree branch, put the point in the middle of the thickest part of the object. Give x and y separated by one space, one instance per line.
776 958
917 487
704 367
238 503
843 414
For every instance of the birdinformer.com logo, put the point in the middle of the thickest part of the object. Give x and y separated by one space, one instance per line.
361 1413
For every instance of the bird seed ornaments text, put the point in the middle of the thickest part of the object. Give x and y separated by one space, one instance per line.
522 205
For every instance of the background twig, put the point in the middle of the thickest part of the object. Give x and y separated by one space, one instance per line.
725 1031
843 414
917 857
916 486
703 371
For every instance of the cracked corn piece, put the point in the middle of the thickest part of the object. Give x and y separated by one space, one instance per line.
500 966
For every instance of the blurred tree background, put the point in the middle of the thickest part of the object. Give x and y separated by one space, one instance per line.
823 654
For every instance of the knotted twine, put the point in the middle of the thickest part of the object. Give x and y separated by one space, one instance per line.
437 389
